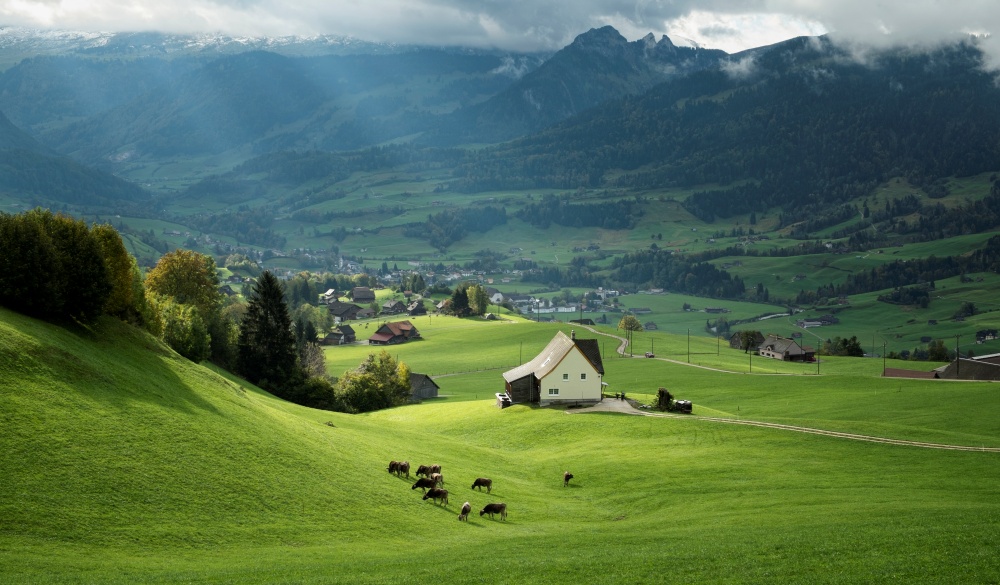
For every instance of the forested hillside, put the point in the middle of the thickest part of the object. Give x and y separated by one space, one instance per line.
802 127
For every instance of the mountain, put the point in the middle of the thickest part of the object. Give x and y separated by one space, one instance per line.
252 103
36 174
599 65
799 126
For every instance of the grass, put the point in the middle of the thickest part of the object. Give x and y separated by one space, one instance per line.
124 463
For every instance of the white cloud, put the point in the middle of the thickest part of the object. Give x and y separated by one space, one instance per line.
731 25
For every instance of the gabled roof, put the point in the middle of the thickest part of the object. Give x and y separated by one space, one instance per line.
554 352
346 329
400 327
421 379
781 344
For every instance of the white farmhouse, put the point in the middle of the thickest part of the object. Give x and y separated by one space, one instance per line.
567 371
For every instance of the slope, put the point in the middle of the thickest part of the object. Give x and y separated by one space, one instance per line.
123 463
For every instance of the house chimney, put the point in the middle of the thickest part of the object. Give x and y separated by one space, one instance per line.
572 334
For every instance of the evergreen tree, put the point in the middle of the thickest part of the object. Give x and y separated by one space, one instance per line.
266 350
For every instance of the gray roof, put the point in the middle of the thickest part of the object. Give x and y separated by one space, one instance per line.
554 352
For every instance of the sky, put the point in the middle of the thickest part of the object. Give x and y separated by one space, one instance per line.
731 25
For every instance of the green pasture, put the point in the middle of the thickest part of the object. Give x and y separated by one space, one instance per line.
124 463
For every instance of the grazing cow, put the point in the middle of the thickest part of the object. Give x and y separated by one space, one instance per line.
424 483
492 509
394 467
566 477
403 468
438 478
424 470
464 515
483 482
437 494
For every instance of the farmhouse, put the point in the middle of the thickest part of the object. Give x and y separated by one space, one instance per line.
567 371
393 307
340 336
343 311
362 294
785 349
416 308
393 333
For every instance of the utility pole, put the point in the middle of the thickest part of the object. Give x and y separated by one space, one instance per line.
958 357
689 346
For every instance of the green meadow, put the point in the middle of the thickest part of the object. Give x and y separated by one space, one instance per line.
124 463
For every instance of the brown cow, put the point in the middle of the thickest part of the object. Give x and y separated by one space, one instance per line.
566 477
437 494
394 467
403 468
483 482
464 515
438 478
492 509
424 483
426 470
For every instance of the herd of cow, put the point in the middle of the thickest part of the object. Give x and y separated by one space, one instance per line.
431 482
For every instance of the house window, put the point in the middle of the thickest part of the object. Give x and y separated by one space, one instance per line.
565 376
553 392
583 376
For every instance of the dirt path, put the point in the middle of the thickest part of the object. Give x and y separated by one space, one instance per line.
625 407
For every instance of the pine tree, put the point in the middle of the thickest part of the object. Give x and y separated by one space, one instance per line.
266 350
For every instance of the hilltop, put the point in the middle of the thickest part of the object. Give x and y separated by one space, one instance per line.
123 462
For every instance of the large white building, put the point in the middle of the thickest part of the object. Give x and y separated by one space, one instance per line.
567 371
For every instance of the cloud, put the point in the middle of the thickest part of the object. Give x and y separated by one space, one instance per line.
732 25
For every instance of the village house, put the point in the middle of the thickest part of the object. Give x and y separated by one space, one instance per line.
343 311
328 297
393 333
567 371
393 307
785 349
362 294
416 308
340 336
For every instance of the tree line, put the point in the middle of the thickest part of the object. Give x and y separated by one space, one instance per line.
57 268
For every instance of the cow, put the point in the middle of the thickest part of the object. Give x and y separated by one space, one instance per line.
437 494
426 470
483 482
394 467
424 483
566 477
492 509
437 477
403 468
464 515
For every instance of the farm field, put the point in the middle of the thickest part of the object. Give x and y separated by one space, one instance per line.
124 463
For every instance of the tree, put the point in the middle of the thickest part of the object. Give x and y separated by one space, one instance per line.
52 267
265 351
378 382
479 301
189 278
629 324
460 300
937 352
184 330
127 299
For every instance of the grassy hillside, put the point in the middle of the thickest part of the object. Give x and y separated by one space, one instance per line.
123 463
